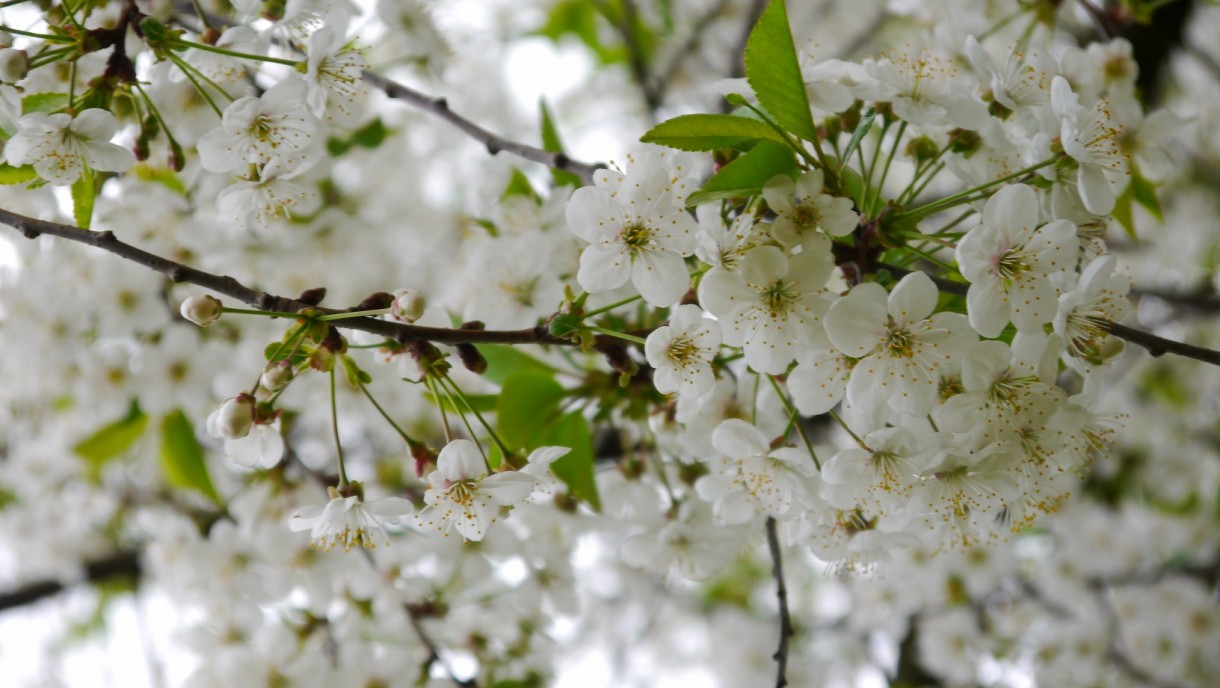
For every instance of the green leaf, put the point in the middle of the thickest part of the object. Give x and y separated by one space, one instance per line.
16 175
351 370
580 18
773 71
529 402
84 191
1124 211
575 468
371 135
44 102
112 439
519 185
708 132
552 143
182 457
161 175
504 361
565 324
858 135
746 175
1144 192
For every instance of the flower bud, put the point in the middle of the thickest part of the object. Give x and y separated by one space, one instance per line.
14 65
201 310
232 421
276 375
408 306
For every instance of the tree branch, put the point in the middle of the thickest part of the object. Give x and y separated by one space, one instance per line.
493 142
781 593
228 286
1159 346
118 564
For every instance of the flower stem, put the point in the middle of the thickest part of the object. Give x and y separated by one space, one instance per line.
250 311
616 304
619 335
792 421
843 424
234 53
334 426
958 198
445 379
353 314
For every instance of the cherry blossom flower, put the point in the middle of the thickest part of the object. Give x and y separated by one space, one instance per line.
333 73
1090 137
349 521
1099 298
801 207
681 352
901 349
461 495
61 146
1008 259
773 306
276 130
756 479
922 90
638 230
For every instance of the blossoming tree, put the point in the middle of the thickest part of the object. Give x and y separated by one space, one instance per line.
879 350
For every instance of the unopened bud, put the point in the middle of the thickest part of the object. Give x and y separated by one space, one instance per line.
201 310
14 65
232 421
471 358
276 375
408 306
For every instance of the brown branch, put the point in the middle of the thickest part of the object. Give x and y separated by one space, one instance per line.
493 142
781 593
119 564
434 653
1202 301
1159 346
228 286
688 47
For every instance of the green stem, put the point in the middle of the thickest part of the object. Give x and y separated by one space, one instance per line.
846 427
889 160
50 56
401 433
44 36
619 335
465 421
792 416
186 70
334 425
353 314
269 314
233 53
482 421
616 304
872 168
931 258
431 385
958 198
152 107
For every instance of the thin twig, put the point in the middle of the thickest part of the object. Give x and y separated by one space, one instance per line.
688 47
124 564
434 653
1159 346
635 57
228 286
781 593
1205 301
493 142
737 65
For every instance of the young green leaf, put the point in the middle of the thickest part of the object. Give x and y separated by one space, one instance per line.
773 71
44 102
182 458
529 402
552 143
746 175
112 439
575 468
16 175
84 191
708 132
503 361
858 135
